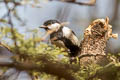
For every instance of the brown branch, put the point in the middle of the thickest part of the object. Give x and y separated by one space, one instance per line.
90 55
13 1
54 68
5 46
47 65
90 3
106 72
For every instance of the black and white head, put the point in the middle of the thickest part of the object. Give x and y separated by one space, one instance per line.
61 29
51 25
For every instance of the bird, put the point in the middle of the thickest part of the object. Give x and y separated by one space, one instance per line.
62 37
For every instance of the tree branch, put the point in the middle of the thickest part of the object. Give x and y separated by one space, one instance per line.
106 72
11 24
90 3
55 68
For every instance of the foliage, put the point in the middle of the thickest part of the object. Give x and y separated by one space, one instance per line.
42 55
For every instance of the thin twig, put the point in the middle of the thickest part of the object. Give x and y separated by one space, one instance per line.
90 55
11 24
90 3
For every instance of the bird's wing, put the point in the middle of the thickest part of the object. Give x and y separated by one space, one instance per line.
74 39
69 34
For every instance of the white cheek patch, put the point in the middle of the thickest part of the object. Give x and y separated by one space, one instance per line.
54 26
66 31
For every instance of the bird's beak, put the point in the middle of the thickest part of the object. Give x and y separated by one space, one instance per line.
42 26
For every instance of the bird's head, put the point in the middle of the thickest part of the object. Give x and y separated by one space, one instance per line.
51 25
